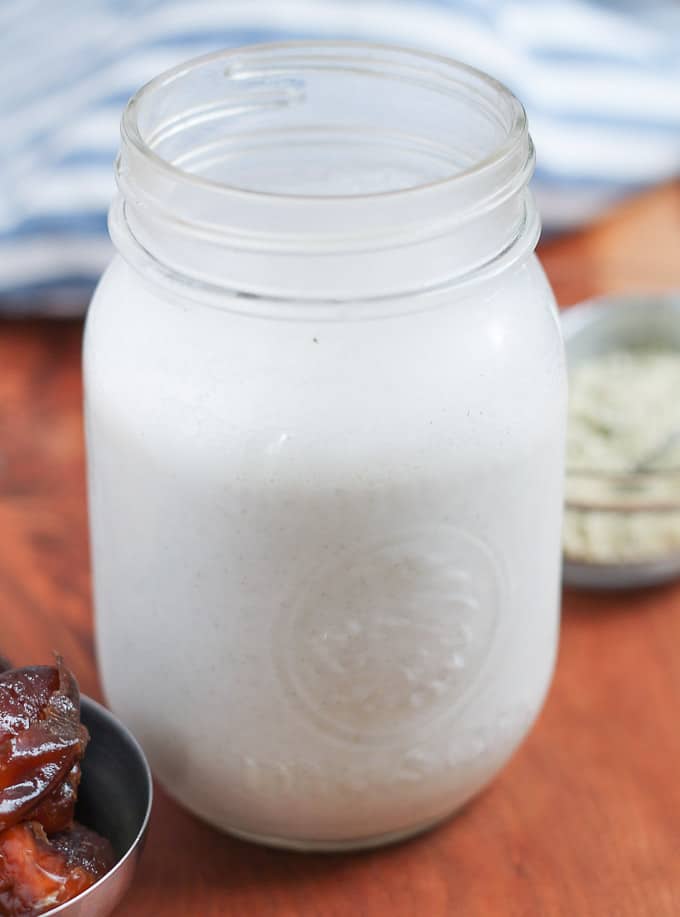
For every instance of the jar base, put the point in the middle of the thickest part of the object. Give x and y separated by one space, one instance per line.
339 846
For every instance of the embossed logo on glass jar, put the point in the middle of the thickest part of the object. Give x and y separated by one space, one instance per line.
391 636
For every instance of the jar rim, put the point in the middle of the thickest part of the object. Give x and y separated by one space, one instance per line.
514 134
445 195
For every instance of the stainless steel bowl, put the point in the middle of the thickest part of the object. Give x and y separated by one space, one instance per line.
591 329
114 799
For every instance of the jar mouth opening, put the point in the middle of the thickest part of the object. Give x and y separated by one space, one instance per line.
268 77
346 170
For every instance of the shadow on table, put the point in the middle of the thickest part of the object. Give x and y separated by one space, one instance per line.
617 602
195 866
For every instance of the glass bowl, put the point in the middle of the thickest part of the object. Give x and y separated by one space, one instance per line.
621 528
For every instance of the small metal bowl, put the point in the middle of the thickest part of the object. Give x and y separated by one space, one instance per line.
590 329
114 799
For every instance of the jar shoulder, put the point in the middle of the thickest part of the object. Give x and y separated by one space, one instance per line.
493 349
521 297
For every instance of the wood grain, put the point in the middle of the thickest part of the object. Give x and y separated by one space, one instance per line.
584 822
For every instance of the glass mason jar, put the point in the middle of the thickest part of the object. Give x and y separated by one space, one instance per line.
325 407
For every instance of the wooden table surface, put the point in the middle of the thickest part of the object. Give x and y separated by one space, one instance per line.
584 822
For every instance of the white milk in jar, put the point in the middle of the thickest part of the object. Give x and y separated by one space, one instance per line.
325 408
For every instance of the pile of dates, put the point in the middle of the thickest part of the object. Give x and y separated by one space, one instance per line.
46 857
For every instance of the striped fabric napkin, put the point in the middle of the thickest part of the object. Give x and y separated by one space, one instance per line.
600 81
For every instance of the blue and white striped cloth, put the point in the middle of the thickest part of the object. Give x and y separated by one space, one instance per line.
600 80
